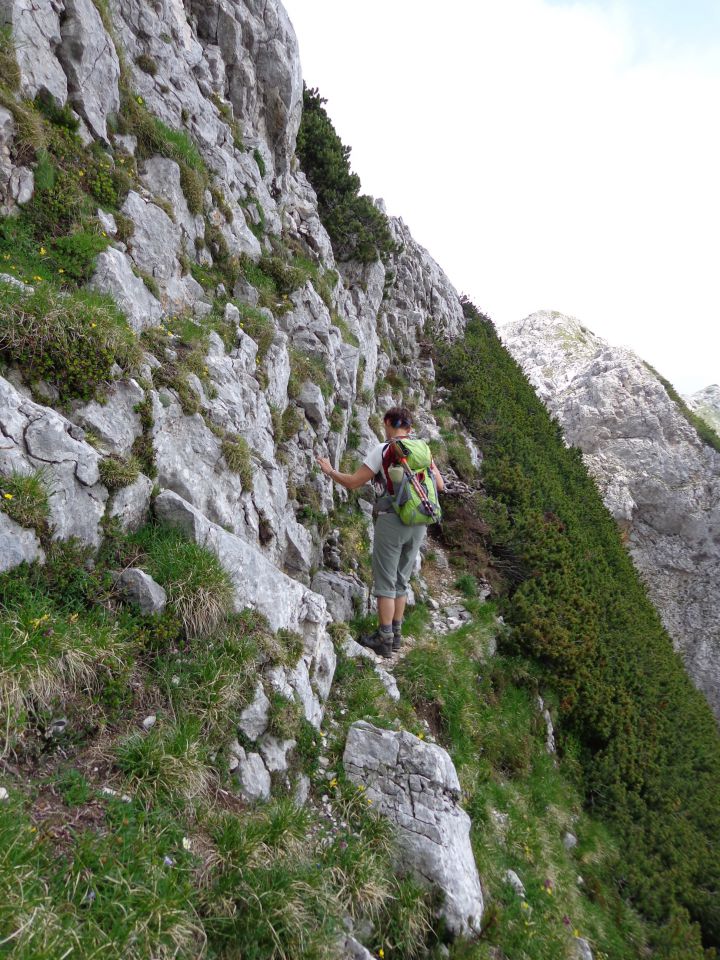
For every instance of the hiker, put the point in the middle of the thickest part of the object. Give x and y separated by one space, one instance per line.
396 542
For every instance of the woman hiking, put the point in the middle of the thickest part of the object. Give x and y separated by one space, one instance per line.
396 543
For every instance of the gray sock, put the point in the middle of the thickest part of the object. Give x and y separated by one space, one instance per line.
397 626
386 630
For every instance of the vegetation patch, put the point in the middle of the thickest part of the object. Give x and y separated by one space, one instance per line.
307 366
357 229
24 498
9 70
238 458
71 340
155 137
116 472
198 588
704 430
642 737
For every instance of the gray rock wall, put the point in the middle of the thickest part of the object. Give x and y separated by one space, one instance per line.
660 482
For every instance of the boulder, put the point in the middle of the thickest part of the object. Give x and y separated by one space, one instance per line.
139 588
275 752
161 177
32 438
131 504
257 583
252 775
155 239
345 594
253 720
114 275
115 422
17 544
415 785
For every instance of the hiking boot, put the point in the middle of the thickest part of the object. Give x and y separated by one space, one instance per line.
397 642
379 642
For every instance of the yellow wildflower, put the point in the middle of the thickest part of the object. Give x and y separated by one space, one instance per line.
7 496
43 251
381 953
37 279
60 270
524 906
81 173
92 326
421 736
333 782
140 100
576 933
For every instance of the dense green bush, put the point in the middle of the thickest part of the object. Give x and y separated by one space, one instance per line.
358 230
645 739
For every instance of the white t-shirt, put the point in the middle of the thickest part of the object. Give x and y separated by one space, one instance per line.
374 458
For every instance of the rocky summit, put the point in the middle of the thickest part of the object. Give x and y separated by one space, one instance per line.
656 476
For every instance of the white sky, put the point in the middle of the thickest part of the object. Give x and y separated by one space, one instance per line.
549 155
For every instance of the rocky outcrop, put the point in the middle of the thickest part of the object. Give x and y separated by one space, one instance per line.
706 404
657 478
33 438
415 785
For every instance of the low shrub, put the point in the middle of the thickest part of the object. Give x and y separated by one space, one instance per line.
259 326
357 229
69 340
147 64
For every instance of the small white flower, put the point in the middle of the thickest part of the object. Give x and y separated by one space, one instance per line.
187 843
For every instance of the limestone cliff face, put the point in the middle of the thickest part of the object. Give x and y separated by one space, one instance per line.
660 482
227 74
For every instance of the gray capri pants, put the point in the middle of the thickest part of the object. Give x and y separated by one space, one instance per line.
394 551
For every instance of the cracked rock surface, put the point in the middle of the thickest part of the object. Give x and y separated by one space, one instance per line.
415 785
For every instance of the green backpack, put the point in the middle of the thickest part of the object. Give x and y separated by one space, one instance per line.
415 499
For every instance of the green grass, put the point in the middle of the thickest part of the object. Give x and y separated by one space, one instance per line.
9 70
115 472
306 366
238 457
24 498
198 588
169 764
259 326
71 340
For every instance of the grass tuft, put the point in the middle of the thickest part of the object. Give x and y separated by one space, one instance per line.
24 498
198 588
115 472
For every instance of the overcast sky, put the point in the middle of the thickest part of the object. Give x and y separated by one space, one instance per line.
549 154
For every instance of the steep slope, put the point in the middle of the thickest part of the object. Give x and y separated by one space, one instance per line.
706 404
658 479
177 687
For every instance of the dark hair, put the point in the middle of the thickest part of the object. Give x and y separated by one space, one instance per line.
398 417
